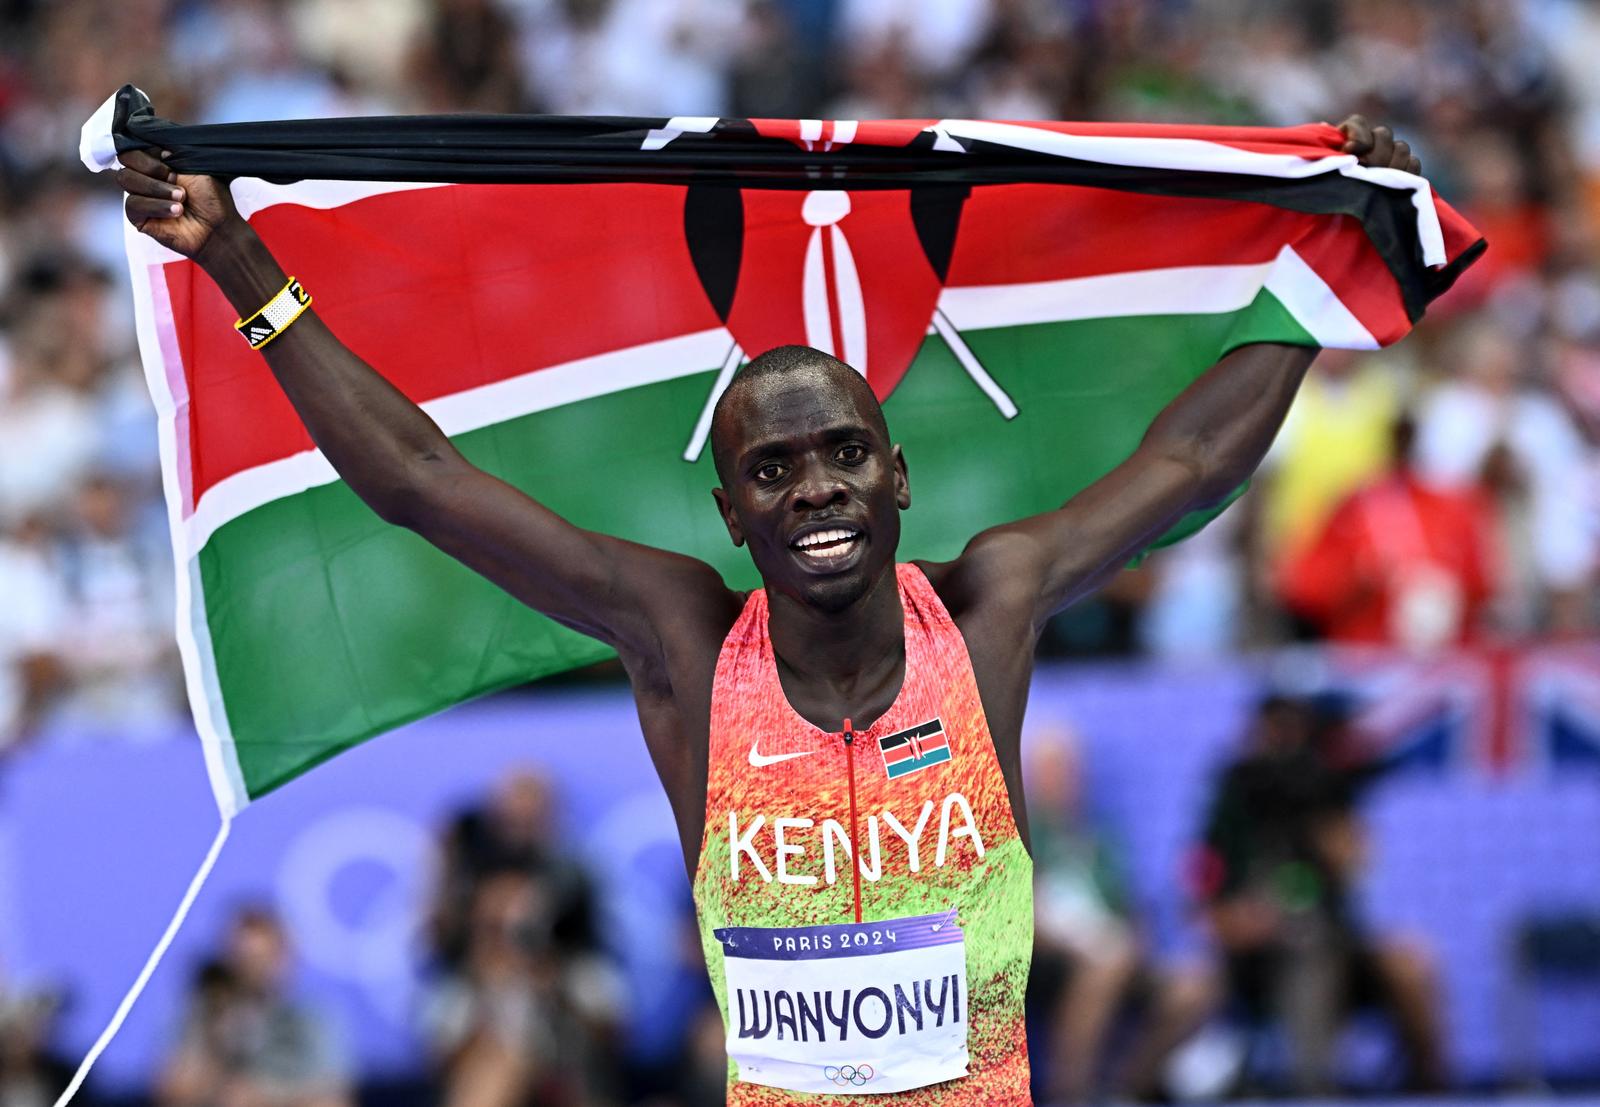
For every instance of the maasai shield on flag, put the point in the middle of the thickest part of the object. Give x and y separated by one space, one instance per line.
1024 298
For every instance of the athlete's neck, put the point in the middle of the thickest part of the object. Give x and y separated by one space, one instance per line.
851 653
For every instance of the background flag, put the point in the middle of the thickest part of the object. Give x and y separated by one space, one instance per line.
567 297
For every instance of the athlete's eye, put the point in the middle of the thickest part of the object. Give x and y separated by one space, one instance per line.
769 472
853 454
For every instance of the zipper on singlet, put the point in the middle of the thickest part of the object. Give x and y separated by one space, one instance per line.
848 735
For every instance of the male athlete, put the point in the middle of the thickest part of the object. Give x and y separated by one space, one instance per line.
840 748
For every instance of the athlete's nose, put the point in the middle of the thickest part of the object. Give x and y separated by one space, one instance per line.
818 486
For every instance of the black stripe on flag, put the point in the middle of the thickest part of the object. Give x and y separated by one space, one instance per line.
921 730
507 149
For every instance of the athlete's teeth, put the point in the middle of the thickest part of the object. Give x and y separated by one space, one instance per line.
824 537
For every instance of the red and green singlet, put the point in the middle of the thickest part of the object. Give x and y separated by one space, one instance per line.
865 901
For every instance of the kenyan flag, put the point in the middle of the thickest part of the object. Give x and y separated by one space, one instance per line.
1023 297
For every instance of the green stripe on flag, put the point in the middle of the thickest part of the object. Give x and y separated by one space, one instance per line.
330 626
911 765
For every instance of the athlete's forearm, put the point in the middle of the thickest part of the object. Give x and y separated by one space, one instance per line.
381 443
1223 423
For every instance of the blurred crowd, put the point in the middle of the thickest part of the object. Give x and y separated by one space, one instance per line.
1445 492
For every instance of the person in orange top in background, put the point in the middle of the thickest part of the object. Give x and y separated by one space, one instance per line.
1399 562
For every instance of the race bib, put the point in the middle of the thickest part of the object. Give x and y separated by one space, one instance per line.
853 1008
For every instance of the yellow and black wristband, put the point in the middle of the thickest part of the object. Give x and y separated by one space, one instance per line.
274 318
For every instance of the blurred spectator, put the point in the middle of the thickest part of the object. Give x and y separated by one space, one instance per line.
630 57
47 422
244 58
1495 413
245 1042
772 73
1338 436
704 1078
465 59
1088 951
1283 849
523 982
117 635
30 1074
364 41
1399 561
515 832
32 667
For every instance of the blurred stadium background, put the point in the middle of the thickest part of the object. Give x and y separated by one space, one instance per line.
1316 795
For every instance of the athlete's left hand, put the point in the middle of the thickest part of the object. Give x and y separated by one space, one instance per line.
1377 146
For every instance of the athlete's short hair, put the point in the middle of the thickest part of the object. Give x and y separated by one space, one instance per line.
784 361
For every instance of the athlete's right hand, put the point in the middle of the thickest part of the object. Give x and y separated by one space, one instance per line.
181 211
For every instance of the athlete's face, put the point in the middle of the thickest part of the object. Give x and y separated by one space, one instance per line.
812 485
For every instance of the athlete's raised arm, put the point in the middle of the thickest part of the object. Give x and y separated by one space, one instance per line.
1203 445
396 458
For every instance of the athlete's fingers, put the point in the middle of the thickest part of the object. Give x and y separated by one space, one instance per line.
1402 155
143 161
1415 166
141 209
1382 147
135 183
1357 135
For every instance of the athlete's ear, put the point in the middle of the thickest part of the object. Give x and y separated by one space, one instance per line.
729 519
902 480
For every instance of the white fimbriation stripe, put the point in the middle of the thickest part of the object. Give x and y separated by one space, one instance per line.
145 258
1315 307
1181 290
251 194
1206 157
844 131
943 141
539 390
676 126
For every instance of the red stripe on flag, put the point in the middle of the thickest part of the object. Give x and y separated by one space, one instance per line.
1017 233
869 132
1024 233
546 274
916 749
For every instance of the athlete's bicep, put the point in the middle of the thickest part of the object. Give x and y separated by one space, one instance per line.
617 591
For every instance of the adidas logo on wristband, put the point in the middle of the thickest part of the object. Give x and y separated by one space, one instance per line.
274 318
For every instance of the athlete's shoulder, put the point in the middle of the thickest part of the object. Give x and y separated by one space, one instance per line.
994 577
689 610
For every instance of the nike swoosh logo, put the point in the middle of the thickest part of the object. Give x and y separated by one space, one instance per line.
760 760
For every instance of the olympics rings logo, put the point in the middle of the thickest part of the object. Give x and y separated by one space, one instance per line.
847 1075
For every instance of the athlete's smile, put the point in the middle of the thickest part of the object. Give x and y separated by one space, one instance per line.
829 547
